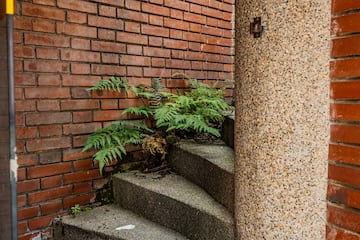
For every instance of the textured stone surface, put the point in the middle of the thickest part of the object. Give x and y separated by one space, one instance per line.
282 119
210 166
174 202
101 224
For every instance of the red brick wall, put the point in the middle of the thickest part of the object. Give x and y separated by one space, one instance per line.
344 151
64 46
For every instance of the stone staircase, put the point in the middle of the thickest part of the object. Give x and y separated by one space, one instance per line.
196 202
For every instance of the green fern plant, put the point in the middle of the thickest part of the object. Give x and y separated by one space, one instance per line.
197 110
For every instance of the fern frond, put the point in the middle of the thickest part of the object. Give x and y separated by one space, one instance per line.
139 111
114 84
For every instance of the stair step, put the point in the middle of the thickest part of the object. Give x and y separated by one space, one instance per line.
210 166
101 223
174 202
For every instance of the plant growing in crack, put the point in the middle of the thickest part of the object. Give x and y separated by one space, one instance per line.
166 117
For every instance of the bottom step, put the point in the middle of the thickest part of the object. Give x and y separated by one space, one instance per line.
101 223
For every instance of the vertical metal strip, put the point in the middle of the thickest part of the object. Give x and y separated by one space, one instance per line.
13 160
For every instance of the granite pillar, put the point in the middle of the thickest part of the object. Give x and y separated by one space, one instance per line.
281 128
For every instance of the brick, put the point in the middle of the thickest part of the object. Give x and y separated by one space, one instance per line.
345 133
76 30
79 92
46 66
80 68
135 60
334 233
25 106
21 200
21 174
125 37
40 222
109 58
133 27
176 24
155 9
22 227
82 188
99 183
71 129
158 62
76 17
42 12
82 200
345 112
46 40
108 115
28 186
155 41
48 144
51 182
105 22
79 43
156 52
103 46
79 117
79 80
27 160
172 63
26 132
47 53
341 5
47 105
50 157
45 2
344 218
24 79
47 92
83 165
176 44
51 207
110 104
345 24
106 34
346 46
48 80
107 11
134 49
76 154
82 6
344 154
132 4
22 23
349 90
50 130
153 20
47 195
27 213
134 72
81 176
109 70
154 30
24 52
79 56
344 174
49 170
42 25
132 15
157 72
342 195
194 18
119 3
79 104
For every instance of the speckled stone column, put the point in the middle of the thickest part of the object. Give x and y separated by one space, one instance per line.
281 136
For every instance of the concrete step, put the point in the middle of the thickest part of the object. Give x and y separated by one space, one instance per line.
101 223
175 203
210 166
